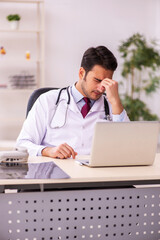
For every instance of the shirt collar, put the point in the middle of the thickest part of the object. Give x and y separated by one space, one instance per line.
77 95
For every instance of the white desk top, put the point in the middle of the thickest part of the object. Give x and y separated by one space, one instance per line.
83 174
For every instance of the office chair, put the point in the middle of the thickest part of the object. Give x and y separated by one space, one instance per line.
35 95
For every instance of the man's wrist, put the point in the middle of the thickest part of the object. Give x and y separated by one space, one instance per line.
117 108
45 151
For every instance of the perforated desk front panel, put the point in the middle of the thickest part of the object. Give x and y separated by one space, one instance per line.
111 214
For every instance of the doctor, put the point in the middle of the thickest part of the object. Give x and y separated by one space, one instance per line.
65 129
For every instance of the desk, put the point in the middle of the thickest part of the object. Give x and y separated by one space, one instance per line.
93 204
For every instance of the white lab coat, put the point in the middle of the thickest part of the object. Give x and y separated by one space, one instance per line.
40 128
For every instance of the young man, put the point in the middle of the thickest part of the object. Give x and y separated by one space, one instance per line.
66 129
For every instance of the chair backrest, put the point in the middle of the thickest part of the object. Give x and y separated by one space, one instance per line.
35 95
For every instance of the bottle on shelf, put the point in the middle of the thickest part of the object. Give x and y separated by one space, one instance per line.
28 55
2 51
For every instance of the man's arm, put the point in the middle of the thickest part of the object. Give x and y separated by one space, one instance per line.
118 112
34 130
111 88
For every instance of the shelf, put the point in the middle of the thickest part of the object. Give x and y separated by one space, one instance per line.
21 31
22 1
23 61
15 90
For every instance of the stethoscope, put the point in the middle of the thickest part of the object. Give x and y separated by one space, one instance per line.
58 101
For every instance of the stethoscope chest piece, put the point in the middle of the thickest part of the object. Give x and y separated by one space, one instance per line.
108 118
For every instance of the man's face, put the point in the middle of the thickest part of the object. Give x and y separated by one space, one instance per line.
91 85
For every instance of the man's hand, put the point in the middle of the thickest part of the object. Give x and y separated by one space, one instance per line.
111 88
62 151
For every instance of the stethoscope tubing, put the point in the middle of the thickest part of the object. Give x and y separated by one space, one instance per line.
106 106
59 95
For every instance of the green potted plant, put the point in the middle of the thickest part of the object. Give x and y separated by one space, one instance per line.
14 20
141 71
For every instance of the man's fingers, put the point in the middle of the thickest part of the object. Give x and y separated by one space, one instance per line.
65 153
109 82
66 150
60 155
73 153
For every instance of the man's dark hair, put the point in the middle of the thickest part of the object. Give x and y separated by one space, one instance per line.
98 56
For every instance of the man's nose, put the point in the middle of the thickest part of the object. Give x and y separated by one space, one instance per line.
101 88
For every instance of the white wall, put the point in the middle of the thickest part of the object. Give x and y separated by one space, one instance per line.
71 26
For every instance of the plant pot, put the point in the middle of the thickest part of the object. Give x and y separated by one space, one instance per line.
14 25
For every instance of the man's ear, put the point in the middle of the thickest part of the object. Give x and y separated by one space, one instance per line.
81 73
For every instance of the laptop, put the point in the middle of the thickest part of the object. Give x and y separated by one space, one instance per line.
123 144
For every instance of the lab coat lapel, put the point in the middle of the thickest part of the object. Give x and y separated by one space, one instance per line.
60 111
59 117
73 106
